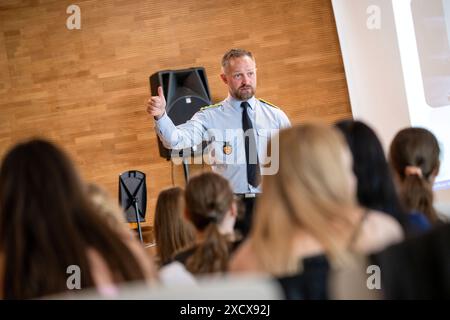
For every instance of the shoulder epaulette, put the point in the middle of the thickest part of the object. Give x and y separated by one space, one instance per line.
211 106
268 103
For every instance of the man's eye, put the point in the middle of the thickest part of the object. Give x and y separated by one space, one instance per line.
237 76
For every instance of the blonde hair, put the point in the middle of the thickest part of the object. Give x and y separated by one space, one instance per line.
104 205
310 192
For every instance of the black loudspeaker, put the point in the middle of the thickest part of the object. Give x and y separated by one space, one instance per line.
186 91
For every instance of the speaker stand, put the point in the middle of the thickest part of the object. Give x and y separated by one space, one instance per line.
138 219
186 169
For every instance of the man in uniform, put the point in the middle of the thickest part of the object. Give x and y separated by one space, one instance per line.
235 156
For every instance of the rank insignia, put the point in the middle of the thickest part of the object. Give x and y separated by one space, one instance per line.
227 149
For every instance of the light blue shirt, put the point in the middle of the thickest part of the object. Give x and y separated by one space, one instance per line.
221 126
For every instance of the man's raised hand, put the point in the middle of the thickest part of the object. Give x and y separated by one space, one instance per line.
156 105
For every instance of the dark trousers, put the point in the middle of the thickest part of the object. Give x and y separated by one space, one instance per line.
244 222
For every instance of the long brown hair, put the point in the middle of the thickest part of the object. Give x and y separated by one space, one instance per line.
47 224
172 231
416 148
208 198
311 193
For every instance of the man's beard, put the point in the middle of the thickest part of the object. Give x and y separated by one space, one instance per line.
244 94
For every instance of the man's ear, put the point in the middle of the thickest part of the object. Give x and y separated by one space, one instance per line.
224 78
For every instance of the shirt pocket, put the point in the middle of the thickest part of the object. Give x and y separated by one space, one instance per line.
223 152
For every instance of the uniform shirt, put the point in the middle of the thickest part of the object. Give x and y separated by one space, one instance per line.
221 126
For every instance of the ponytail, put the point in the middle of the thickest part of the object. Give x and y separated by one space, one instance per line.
209 198
212 254
414 155
417 195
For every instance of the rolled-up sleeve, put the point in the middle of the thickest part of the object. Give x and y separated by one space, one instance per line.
183 136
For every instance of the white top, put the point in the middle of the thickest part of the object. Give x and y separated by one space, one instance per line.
175 273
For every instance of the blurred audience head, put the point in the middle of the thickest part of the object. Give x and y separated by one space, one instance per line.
313 190
105 205
172 231
414 157
47 223
375 186
211 208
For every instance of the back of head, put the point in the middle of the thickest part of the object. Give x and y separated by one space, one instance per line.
172 231
38 187
311 192
209 198
375 187
105 206
414 156
47 224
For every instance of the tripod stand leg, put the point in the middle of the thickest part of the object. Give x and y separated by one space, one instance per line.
138 220
186 170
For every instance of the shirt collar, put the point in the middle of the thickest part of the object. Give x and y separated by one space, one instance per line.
237 103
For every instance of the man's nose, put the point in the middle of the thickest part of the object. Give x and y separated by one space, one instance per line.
246 79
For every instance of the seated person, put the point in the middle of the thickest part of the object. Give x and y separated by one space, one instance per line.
172 231
307 219
414 157
48 225
211 207
375 186
418 268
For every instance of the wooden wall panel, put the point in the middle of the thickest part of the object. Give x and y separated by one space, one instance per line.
86 89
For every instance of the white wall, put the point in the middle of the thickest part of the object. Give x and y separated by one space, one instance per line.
383 73
372 66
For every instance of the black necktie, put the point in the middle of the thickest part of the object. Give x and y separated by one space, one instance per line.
251 155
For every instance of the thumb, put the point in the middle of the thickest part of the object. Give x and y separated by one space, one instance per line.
160 92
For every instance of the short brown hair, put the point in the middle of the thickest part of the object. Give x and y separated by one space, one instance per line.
235 53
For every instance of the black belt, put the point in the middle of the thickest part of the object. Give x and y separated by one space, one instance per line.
247 195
